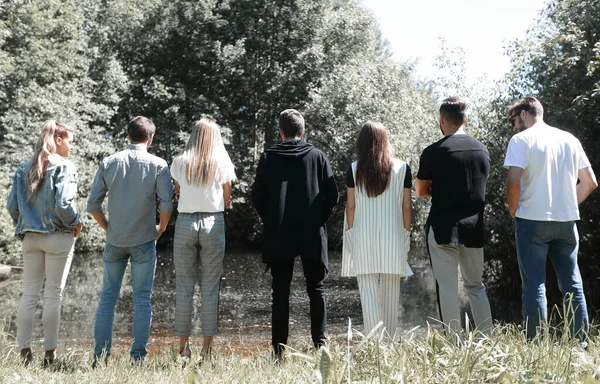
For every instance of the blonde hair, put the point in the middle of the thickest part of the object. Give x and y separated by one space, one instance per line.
204 153
45 147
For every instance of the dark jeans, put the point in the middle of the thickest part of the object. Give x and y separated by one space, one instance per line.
559 242
282 273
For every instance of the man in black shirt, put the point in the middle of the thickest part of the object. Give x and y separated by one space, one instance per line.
294 193
453 172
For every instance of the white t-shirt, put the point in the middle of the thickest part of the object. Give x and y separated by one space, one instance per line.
198 197
551 159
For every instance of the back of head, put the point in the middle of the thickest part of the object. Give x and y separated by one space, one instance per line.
454 110
374 159
291 123
140 129
45 146
201 153
528 104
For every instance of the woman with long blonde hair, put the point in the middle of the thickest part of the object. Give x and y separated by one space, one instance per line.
203 174
42 203
377 226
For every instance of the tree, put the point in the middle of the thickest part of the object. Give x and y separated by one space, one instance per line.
95 65
47 72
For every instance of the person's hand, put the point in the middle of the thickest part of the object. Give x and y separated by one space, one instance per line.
228 204
78 229
159 231
513 213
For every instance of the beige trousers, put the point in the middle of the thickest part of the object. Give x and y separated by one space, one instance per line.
49 256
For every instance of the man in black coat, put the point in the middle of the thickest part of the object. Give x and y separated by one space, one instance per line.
294 193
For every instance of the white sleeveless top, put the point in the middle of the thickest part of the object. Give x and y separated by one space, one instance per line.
378 241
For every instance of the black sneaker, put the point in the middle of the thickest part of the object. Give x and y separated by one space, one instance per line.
26 356
96 362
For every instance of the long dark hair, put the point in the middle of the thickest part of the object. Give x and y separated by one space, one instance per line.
374 159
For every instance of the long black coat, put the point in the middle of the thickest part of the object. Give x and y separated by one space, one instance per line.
294 193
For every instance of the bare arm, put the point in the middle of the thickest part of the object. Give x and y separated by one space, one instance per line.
162 225
587 183
513 189
407 208
164 193
177 188
423 188
350 206
227 194
101 220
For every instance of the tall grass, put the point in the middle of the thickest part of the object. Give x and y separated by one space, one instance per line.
418 357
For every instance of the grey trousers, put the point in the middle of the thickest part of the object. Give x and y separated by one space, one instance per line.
198 250
445 260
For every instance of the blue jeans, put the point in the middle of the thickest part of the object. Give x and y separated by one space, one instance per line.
559 241
143 264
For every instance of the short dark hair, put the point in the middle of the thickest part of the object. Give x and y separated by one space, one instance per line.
291 123
528 104
140 129
454 110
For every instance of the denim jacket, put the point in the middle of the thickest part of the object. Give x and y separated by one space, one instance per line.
55 207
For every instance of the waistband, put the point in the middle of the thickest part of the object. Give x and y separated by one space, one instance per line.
200 214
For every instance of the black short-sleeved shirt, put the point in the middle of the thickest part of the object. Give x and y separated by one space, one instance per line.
458 167
350 178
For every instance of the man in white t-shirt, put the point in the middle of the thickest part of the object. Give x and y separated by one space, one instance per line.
544 164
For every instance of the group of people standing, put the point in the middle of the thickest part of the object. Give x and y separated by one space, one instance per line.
294 193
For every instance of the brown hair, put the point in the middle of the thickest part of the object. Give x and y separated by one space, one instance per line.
528 104
46 145
374 159
201 154
454 110
140 129
291 123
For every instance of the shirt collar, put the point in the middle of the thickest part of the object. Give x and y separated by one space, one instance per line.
539 124
138 147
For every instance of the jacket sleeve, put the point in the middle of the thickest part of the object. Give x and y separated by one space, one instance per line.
12 203
329 188
98 191
259 188
65 194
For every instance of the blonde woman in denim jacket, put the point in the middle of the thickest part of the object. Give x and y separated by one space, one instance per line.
42 203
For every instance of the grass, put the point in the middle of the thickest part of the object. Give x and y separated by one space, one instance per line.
505 358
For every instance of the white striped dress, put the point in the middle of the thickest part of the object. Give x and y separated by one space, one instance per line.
378 241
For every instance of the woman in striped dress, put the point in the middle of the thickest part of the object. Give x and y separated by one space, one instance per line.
376 226
203 176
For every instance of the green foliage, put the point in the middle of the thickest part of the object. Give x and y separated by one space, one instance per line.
49 69
244 62
94 65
